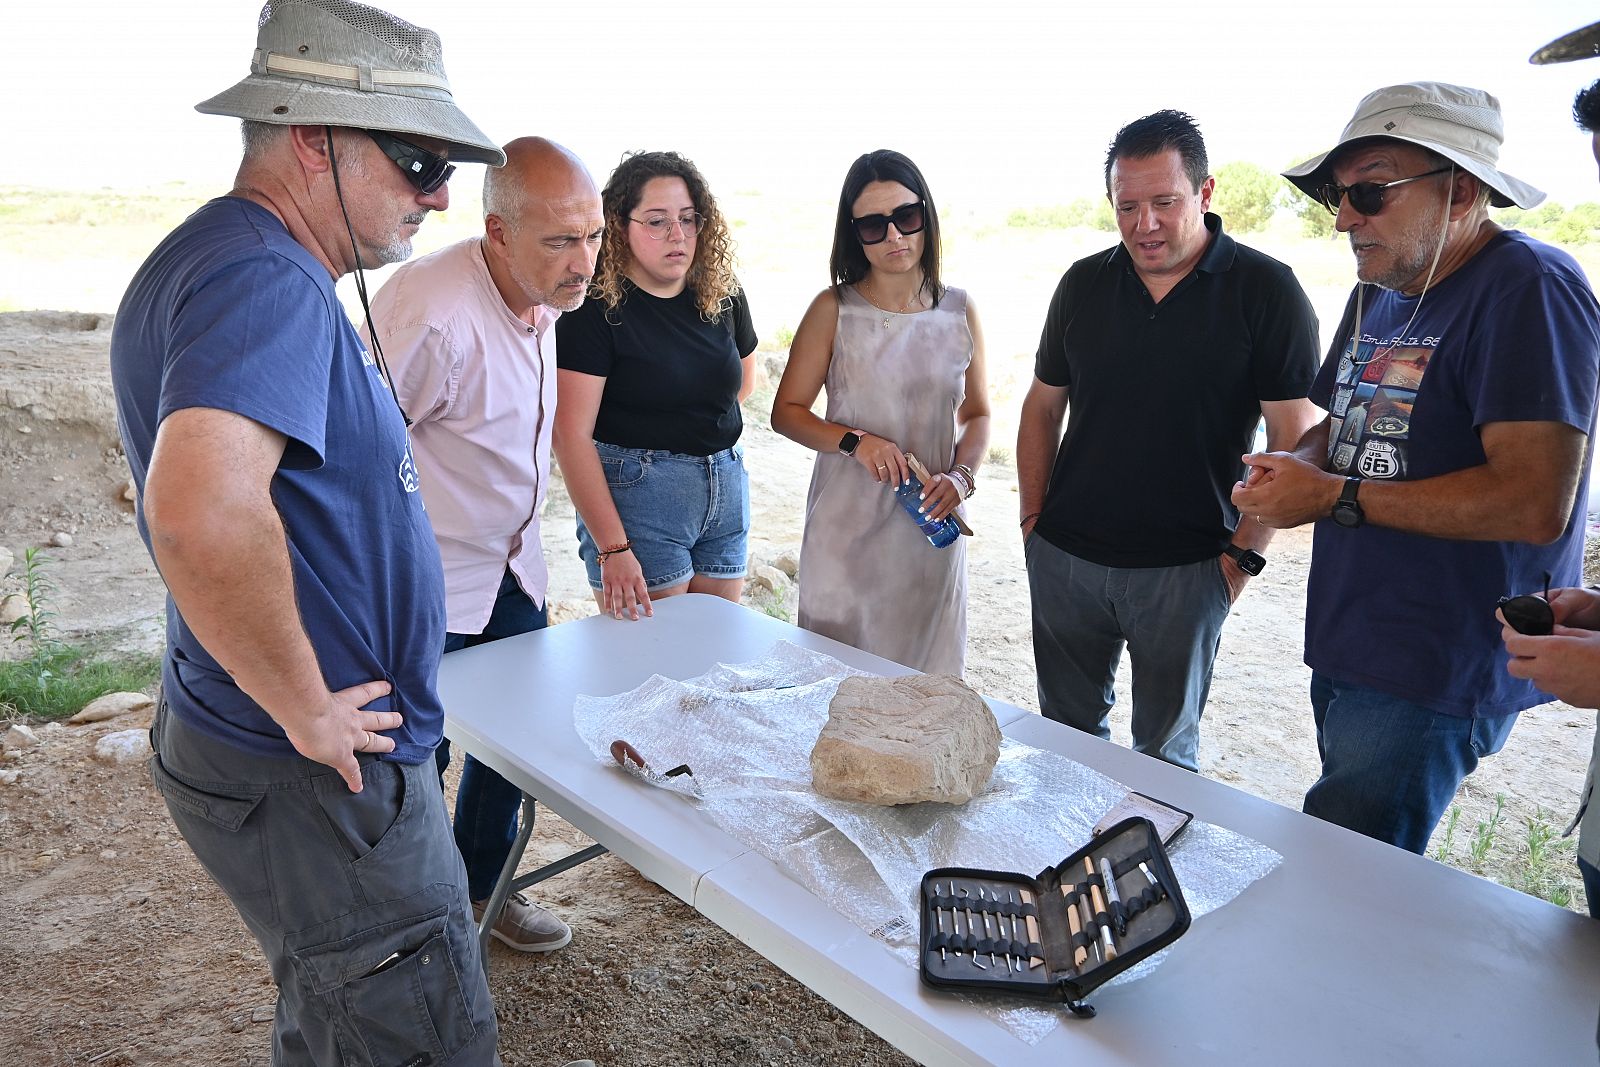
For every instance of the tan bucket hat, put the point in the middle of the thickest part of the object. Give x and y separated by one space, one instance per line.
1459 123
1579 44
340 63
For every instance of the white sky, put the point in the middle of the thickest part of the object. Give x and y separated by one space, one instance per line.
1006 101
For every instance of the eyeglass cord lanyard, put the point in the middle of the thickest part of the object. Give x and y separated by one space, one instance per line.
1379 353
361 285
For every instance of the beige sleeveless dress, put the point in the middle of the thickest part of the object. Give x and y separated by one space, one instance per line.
868 577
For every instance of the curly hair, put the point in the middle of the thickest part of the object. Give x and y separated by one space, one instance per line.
847 263
1586 109
711 277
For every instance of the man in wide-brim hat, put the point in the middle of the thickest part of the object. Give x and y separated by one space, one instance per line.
1461 398
278 496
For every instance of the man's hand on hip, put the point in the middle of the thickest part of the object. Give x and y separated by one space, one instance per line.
334 735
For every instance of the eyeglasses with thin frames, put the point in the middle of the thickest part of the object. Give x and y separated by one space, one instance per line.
659 227
1366 198
424 169
907 218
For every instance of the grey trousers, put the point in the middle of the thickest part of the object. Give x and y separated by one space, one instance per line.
1170 619
358 900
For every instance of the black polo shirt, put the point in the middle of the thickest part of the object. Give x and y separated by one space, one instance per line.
1164 398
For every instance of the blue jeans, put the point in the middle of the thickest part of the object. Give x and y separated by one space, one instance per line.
685 515
1170 619
486 804
1391 767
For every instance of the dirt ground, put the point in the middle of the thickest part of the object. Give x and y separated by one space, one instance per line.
120 952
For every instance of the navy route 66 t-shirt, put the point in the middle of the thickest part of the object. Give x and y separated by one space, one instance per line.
1512 336
229 312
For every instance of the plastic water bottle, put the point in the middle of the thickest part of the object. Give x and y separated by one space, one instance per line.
940 534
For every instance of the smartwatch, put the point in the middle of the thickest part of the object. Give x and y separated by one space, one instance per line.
1346 511
1249 560
848 443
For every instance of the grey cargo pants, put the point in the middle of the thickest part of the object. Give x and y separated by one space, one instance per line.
358 900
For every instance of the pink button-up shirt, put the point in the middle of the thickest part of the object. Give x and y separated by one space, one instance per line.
480 387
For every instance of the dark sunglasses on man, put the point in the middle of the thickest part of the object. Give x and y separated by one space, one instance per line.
1366 198
424 169
874 229
1530 613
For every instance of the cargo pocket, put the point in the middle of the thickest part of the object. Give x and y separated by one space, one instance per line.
218 830
392 986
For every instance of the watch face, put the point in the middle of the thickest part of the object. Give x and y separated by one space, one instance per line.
1347 513
1252 562
848 443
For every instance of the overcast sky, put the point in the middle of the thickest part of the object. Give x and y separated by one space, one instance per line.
1004 101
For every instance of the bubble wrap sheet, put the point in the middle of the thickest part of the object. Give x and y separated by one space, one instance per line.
747 731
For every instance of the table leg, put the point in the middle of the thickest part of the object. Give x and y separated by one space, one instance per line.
508 882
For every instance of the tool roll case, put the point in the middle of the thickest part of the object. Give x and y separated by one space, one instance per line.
1061 934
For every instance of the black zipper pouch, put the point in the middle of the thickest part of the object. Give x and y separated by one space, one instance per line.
1057 935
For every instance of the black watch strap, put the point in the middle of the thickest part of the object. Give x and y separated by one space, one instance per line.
1249 560
1347 509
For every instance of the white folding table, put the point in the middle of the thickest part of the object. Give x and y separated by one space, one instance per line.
1351 952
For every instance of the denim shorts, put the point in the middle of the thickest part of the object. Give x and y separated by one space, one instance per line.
685 515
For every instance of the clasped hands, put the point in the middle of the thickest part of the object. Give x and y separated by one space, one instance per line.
1283 491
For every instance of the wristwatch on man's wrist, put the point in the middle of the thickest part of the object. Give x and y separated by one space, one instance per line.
848 443
1249 560
1346 511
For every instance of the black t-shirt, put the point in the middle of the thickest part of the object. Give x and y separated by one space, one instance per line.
1164 398
672 378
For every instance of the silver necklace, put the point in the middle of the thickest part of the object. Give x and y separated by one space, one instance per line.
888 315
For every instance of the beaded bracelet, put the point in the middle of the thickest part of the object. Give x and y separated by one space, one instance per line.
626 546
968 477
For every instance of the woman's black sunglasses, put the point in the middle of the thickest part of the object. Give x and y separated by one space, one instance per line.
1365 197
424 169
874 229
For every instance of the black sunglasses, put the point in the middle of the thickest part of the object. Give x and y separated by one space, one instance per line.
1365 197
424 169
874 229
1530 613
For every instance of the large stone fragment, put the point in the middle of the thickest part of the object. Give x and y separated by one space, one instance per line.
905 740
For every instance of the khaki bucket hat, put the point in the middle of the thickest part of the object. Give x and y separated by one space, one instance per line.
1461 124
340 63
1579 44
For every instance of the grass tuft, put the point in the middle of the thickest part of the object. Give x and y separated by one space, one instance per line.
62 681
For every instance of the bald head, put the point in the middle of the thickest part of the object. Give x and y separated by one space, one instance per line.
536 169
541 226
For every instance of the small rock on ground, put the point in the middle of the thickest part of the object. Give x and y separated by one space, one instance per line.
110 706
124 746
20 736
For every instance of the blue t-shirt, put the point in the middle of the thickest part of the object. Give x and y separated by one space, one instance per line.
230 312
1512 336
